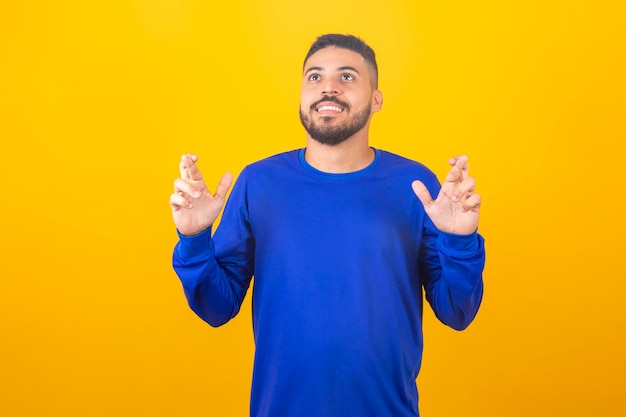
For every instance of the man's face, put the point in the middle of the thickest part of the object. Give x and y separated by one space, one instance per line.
337 98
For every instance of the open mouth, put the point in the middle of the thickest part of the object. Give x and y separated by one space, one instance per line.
330 105
328 108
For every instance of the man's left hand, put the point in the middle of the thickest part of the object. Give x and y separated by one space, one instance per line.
456 208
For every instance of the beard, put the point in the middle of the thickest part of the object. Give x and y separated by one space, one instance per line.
332 135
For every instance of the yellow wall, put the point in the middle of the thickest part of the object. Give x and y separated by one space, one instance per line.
98 99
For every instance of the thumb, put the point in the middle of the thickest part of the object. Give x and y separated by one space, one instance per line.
223 186
422 192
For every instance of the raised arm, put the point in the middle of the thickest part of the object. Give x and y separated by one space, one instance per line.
215 277
452 257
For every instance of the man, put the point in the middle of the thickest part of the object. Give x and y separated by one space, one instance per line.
340 238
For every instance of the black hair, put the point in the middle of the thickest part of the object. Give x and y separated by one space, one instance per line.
351 43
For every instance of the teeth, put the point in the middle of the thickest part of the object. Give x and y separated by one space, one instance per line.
330 108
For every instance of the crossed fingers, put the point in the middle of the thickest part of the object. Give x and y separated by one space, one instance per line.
459 186
190 184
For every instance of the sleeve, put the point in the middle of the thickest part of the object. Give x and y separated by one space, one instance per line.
451 268
216 271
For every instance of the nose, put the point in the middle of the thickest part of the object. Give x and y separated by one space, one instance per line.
331 87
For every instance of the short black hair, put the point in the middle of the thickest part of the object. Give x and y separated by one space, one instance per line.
351 43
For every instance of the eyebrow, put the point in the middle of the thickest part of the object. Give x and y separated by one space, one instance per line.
345 68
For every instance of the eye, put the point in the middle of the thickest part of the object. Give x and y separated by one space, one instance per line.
347 77
314 77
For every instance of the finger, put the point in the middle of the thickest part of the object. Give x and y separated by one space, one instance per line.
472 203
182 166
193 171
182 187
178 202
459 170
464 190
454 160
223 186
188 168
422 193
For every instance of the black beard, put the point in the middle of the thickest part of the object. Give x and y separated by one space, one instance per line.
334 135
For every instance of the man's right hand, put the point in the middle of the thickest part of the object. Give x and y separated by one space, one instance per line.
194 208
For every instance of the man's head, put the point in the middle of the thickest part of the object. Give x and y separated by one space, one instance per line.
339 89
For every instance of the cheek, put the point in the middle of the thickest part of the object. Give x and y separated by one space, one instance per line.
305 102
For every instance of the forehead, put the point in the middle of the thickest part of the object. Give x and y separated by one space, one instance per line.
333 58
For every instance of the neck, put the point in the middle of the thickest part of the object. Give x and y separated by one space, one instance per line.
351 155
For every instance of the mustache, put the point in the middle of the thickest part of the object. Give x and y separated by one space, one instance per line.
333 99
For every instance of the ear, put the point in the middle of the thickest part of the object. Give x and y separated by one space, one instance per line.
377 101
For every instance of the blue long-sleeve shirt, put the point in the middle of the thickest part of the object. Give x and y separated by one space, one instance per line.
339 264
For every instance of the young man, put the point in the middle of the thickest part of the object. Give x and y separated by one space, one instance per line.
340 238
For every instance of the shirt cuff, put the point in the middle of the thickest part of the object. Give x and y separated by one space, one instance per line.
195 246
460 244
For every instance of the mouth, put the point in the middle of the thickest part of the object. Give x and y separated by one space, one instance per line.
330 105
328 109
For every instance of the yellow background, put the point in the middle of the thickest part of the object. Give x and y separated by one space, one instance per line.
98 99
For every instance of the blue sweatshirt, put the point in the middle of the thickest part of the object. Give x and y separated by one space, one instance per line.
340 262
